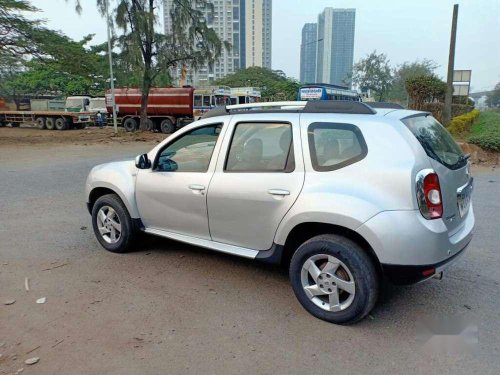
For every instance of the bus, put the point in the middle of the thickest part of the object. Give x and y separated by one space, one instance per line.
207 98
245 95
325 91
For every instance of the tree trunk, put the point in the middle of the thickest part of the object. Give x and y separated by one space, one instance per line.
146 85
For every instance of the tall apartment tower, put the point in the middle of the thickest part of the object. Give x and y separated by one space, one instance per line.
308 49
246 24
335 46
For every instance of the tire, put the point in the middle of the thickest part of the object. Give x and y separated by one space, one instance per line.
127 231
130 124
167 127
40 122
50 123
61 123
356 272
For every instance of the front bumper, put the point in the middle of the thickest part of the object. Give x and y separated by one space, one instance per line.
405 275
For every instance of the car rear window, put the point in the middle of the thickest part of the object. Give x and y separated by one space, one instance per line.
436 141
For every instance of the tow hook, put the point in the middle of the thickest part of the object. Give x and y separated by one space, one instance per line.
438 276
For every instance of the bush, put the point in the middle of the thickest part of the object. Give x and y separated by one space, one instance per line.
486 131
461 125
437 109
424 89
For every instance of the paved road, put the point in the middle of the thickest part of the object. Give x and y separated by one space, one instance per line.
172 308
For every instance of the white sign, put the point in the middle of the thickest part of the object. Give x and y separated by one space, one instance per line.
311 93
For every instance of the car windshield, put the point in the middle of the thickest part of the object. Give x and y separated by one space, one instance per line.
436 141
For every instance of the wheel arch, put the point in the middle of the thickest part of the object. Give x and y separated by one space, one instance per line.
307 230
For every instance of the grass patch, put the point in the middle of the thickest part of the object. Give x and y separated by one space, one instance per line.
485 131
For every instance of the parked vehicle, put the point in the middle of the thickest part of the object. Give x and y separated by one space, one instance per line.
340 192
324 91
245 95
51 114
210 97
168 108
98 105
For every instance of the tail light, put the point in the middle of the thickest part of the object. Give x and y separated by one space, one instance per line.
428 192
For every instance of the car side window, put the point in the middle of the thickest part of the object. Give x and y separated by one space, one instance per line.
261 147
333 146
191 152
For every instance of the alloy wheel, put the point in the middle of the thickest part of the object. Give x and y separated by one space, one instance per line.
327 282
109 224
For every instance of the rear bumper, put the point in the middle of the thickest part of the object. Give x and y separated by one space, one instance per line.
405 238
405 275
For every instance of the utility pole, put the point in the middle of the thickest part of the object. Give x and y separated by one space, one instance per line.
112 80
451 67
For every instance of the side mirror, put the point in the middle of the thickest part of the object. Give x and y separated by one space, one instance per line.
142 162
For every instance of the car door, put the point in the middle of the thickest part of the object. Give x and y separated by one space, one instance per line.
171 196
258 177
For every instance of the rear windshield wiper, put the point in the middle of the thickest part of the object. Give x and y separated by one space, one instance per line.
463 158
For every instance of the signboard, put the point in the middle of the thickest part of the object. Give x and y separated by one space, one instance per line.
461 75
311 93
461 90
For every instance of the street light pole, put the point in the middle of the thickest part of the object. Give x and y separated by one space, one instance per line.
113 105
448 99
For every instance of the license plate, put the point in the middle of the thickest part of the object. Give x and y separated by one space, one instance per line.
464 195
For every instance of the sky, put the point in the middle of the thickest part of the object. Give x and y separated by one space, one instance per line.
405 30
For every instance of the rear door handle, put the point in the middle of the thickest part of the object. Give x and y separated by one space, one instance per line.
278 192
197 187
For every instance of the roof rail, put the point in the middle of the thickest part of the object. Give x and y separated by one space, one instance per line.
338 106
321 106
385 105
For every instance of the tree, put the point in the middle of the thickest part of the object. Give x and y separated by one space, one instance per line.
189 41
373 73
409 70
424 89
274 85
493 97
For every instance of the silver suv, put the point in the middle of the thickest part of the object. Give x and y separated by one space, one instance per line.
341 193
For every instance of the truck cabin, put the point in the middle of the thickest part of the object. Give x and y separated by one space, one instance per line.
77 103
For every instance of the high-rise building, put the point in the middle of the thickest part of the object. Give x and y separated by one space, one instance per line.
335 46
246 24
308 49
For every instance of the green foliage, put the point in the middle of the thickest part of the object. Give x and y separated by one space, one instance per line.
424 89
461 125
274 85
408 70
485 131
373 73
493 99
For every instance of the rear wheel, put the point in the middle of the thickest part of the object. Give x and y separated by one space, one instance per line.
334 279
167 127
50 123
130 124
112 224
61 123
40 122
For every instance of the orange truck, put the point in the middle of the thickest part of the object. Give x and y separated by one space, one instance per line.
168 107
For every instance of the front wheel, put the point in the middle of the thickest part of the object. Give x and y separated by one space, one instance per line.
334 279
112 224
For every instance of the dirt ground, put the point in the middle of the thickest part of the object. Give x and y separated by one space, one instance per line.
170 308
29 135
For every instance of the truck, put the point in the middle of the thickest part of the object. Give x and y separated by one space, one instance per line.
168 108
49 114
99 105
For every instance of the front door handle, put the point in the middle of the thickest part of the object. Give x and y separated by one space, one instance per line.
197 187
278 192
